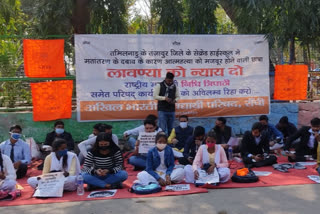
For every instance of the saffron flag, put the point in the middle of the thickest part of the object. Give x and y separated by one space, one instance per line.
52 100
291 82
44 58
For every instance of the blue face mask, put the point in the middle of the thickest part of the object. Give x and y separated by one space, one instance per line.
59 131
62 153
15 136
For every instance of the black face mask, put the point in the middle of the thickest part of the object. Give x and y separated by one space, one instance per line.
104 148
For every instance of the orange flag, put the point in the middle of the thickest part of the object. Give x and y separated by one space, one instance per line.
44 58
51 100
291 82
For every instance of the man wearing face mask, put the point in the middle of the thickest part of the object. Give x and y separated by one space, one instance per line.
60 133
180 134
17 150
306 148
167 94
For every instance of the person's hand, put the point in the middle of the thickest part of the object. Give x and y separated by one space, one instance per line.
168 180
196 175
291 155
198 142
2 176
224 146
104 172
258 158
125 136
271 143
66 174
168 99
162 182
17 164
211 169
174 141
99 172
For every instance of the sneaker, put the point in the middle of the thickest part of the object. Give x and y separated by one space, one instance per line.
276 146
280 168
117 186
299 166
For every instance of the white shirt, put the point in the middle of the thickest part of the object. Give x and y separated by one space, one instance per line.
162 167
8 168
311 140
89 142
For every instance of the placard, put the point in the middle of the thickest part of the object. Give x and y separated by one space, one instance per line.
50 185
147 141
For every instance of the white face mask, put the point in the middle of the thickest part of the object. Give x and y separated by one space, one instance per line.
183 125
161 146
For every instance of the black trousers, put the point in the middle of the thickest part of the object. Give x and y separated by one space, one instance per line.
22 170
265 162
184 161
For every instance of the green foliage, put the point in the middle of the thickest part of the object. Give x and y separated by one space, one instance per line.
170 13
200 16
109 16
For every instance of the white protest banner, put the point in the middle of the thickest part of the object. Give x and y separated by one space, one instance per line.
178 187
147 141
217 75
102 193
50 185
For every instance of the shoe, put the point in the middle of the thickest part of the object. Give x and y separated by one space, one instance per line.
279 168
299 166
276 146
136 168
116 186
91 188
287 165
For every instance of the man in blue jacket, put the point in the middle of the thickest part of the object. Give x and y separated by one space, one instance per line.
274 135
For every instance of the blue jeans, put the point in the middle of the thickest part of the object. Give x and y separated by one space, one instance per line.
166 120
101 181
132 142
138 161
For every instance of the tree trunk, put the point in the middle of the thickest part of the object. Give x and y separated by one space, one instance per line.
227 6
81 16
292 59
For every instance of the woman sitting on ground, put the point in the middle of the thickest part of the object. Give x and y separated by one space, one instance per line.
60 160
7 174
209 157
160 164
103 165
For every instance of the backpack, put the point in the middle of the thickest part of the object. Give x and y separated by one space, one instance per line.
140 189
240 177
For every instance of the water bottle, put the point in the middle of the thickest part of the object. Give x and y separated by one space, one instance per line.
230 153
80 188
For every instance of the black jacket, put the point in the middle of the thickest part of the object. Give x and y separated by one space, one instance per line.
171 93
65 135
223 136
302 146
287 131
249 146
190 148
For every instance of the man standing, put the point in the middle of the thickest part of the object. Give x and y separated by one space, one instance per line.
167 94
17 150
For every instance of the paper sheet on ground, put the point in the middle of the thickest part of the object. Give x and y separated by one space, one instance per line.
314 178
178 187
50 185
262 173
102 193
308 163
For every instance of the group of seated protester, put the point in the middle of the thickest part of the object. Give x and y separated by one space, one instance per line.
173 159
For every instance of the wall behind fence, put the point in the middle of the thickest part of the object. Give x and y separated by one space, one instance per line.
80 131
